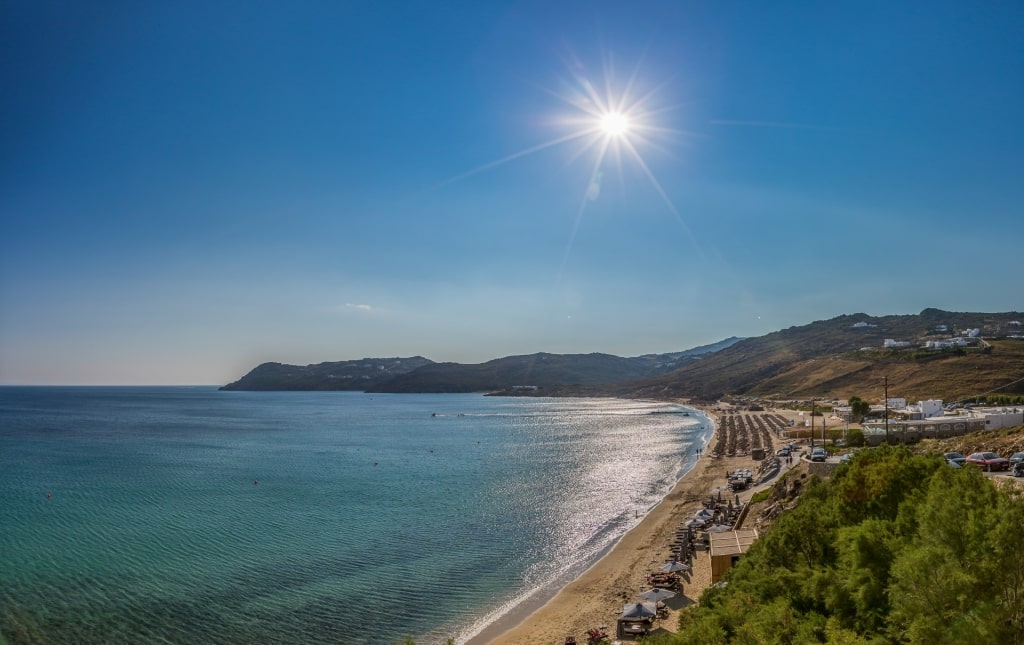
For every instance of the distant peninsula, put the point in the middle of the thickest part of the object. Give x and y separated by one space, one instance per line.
933 354
419 374
359 375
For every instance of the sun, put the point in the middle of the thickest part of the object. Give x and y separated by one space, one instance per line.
609 122
615 124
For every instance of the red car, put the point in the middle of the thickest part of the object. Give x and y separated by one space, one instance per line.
989 461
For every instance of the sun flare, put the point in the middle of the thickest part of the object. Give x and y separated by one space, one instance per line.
614 124
609 123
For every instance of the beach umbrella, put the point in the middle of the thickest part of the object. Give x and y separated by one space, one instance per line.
674 565
704 513
657 594
640 610
695 523
719 528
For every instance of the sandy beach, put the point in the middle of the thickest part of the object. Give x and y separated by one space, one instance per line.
597 596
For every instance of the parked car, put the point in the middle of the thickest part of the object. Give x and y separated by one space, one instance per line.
845 458
818 454
783 451
953 464
1016 458
989 461
955 457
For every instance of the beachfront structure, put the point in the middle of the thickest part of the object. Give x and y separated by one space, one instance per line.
1000 417
726 549
929 419
921 410
913 430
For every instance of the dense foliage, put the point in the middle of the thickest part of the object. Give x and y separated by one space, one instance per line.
895 548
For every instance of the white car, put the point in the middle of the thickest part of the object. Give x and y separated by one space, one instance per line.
818 454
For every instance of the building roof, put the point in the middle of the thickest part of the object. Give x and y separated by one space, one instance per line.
732 542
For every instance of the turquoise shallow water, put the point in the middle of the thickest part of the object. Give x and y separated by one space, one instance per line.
375 516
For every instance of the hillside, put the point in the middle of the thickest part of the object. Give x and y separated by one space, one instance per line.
831 358
419 374
355 375
834 358
534 370
892 548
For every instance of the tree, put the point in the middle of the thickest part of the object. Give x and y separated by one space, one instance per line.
956 581
859 408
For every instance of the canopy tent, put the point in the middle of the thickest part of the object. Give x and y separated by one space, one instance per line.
640 610
657 595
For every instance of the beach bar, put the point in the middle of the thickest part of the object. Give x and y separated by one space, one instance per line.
726 549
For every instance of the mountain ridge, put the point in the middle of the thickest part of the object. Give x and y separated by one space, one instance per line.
839 356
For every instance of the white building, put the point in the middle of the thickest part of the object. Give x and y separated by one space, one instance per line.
890 343
1000 417
931 408
948 343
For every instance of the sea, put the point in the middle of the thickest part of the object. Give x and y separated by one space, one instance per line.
193 515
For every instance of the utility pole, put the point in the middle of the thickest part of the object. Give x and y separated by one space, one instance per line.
886 383
812 422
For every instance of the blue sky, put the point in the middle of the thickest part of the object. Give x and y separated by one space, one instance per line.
189 189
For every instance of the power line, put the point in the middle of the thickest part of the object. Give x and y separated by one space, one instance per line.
992 390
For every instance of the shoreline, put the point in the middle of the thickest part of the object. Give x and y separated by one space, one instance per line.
596 596
510 621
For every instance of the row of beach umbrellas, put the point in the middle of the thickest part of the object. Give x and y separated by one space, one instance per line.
701 519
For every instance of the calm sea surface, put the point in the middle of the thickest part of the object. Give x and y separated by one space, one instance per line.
375 517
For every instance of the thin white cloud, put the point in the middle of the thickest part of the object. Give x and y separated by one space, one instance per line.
349 305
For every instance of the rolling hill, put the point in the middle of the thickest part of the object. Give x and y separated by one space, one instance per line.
844 356
834 358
